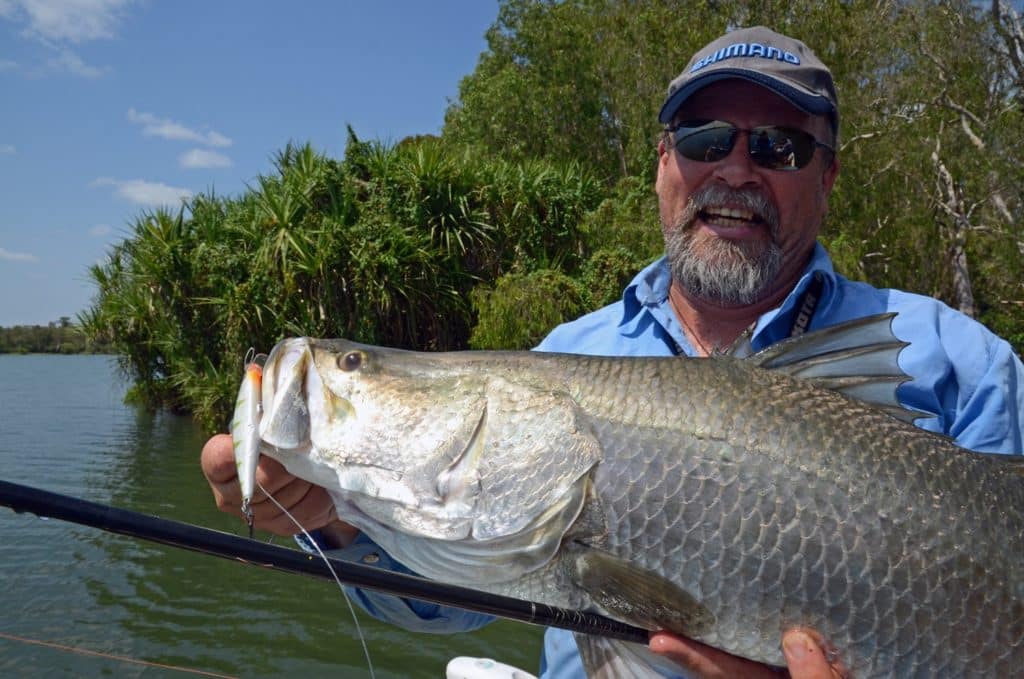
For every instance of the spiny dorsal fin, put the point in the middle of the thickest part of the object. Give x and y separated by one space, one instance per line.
856 358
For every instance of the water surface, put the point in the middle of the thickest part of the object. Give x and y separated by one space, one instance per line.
64 428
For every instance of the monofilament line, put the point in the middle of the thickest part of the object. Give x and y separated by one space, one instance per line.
355 619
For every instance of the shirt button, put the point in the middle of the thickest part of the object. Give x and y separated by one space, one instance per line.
372 557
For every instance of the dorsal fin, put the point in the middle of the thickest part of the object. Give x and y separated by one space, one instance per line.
856 358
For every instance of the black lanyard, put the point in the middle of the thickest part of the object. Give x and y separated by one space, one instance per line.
808 305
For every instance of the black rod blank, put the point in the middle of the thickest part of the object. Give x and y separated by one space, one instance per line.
42 503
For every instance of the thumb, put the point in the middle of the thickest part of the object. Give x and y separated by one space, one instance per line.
809 656
218 459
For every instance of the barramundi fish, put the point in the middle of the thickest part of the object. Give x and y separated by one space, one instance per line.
727 499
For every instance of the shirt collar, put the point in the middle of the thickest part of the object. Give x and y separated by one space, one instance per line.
649 290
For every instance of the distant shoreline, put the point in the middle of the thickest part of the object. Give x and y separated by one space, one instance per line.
60 337
58 353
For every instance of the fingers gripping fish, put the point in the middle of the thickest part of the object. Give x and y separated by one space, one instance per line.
245 433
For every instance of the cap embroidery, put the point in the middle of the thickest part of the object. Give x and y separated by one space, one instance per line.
746 49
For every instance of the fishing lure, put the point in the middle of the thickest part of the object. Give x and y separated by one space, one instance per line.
245 437
245 430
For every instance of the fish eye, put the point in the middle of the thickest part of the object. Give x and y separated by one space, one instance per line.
353 360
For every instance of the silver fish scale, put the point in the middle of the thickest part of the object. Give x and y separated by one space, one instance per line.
777 504
768 501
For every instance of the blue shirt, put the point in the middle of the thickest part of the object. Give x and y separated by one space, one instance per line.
968 377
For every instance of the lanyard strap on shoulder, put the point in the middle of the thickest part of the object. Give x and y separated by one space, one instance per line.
808 305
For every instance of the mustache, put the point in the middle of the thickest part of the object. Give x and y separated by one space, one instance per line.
718 195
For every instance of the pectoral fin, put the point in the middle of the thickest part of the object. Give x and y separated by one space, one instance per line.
638 596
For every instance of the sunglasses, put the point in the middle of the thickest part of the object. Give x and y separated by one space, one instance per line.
770 146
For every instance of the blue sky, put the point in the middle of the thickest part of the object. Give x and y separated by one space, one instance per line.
111 107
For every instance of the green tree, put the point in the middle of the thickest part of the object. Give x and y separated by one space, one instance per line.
551 296
929 198
578 80
385 246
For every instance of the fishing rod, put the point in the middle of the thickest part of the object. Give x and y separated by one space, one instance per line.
43 503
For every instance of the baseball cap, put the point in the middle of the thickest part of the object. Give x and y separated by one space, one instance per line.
758 54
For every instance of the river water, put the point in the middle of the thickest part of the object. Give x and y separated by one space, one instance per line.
79 602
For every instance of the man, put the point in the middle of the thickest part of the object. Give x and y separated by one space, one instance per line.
745 167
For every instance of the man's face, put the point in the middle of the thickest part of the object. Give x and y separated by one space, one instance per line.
735 232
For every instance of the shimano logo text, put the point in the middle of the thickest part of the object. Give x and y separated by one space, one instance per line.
746 49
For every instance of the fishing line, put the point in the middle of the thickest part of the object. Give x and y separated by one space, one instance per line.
355 619
111 656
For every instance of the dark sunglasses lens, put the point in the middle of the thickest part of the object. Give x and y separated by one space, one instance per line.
704 142
780 148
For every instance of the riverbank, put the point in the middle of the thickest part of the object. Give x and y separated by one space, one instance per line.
61 337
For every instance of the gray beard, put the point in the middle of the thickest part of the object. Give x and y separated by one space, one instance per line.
717 270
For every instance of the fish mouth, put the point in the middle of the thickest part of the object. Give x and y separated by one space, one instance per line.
307 423
297 406
296 401
285 422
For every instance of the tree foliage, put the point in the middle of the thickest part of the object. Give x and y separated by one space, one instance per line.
59 337
536 203
384 246
521 308
581 79
930 195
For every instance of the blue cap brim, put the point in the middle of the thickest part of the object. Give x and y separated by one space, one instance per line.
809 103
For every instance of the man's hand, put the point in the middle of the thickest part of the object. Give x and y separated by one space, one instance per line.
308 503
804 650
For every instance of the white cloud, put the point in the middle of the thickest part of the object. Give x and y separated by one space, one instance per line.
99 231
145 193
201 158
7 9
74 21
59 24
17 256
68 61
7 149
169 129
